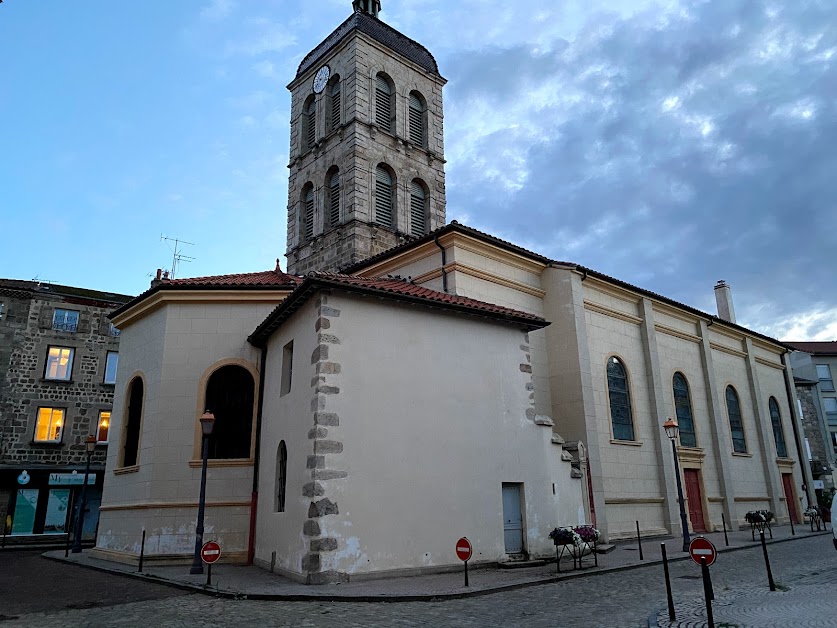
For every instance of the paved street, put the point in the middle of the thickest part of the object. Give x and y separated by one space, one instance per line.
807 568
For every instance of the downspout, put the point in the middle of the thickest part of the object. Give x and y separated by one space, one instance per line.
254 496
804 463
444 263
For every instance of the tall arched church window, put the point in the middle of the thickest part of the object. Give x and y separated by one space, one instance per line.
418 120
384 103
307 222
229 396
333 204
281 476
133 423
334 104
418 208
384 197
736 422
778 433
683 410
309 123
619 395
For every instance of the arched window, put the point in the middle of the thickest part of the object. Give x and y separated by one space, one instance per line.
418 120
736 423
281 476
620 400
778 433
334 112
384 103
418 208
133 423
229 396
683 409
333 197
384 196
306 226
309 124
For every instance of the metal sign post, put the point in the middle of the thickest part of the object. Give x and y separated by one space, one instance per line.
210 553
707 592
464 551
669 597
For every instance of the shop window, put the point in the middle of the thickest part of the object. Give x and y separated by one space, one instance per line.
130 448
230 392
59 363
50 425
281 476
111 363
103 427
65 320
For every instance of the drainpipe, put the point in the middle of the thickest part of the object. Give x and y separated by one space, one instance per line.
804 463
444 263
254 496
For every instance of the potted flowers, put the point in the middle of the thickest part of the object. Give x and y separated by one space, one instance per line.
759 519
564 536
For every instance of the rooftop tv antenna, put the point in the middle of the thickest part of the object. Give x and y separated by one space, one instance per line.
177 255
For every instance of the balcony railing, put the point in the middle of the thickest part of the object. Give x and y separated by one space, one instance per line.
65 326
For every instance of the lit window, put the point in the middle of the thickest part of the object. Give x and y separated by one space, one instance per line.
103 427
59 364
778 433
65 320
683 409
110 367
50 425
287 368
736 423
620 400
830 404
824 375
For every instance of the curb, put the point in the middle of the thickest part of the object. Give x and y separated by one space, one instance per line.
426 597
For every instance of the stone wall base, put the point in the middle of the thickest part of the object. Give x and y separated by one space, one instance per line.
129 558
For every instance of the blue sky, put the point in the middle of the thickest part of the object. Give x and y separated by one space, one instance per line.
670 143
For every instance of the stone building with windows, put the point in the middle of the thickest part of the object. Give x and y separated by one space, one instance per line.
443 383
58 363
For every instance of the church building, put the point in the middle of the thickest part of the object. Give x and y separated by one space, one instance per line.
409 381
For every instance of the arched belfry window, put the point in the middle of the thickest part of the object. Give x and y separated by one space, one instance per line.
309 123
384 103
281 476
384 196
333 197
418 208
307 214
418 120
334 111
736 422
619 395
683 410
229 396
778 433
133 423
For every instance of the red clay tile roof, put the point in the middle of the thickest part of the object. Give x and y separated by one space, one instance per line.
396 289
815 348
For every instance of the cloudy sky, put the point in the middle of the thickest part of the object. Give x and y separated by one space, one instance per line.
670 143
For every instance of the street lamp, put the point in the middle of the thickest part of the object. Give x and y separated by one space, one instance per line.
90 446
672 430
207 422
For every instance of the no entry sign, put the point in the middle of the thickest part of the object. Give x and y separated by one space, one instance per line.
210 552
464 549
702 548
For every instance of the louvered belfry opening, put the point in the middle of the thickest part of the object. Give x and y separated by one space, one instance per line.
334 112
311 124
384 192
308 213
417 120
333 182
384 103
418 208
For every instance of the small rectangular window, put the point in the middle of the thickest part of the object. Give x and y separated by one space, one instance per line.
834 441
50 425
830 404
824 375
111 362
65 320
287 368
103 427
59 364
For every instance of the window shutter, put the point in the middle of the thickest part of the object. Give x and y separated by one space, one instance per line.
416 121
417 209
335 106
312 125
383 197
309 214
334 198
384 111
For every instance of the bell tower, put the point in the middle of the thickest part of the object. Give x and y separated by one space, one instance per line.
367 145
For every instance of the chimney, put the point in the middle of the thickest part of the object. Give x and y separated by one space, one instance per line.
158 279
723 297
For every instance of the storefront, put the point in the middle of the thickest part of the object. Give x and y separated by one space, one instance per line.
42 501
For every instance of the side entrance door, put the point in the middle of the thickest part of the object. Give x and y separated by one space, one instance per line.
512 519
787 483
695 499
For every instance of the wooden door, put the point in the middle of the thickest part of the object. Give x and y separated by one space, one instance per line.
512 519
793 510
694 497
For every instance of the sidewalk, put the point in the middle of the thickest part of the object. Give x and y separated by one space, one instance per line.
249 582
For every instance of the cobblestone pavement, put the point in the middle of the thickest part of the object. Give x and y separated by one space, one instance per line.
807 567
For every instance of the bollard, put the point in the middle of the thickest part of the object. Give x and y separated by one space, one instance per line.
272 561
707 593
639 541
671 616
67 545
790 516
142 551
767 562
466 573
724 523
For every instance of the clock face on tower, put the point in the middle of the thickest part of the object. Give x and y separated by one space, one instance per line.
321 79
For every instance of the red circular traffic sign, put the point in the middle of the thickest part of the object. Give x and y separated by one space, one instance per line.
464 549
701 547
210 552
